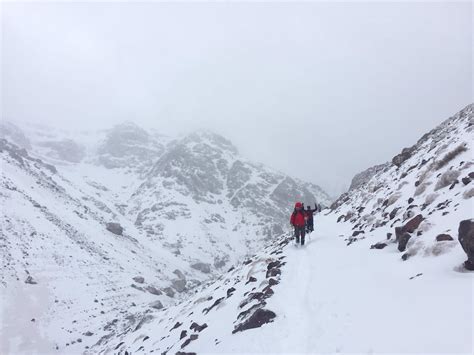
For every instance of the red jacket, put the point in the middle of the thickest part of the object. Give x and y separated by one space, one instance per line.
298 219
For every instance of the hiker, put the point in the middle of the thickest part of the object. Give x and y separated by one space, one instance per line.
297 220
309 218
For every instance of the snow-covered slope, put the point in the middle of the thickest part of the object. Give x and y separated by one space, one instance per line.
97 227
373 277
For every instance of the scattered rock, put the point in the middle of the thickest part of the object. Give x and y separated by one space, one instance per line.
176 326
179 285
410 200
30 280
251 279
216 302
413 224
466 180
403 156
114 228
184 334
230 291
389 235
356 233
203 267
378 246
443 237
139 279
198 328
153 290
402 243
169 292
88 334
256 320
156 305
466 238
191 338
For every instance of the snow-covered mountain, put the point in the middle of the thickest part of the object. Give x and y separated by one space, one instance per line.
97 227
382 273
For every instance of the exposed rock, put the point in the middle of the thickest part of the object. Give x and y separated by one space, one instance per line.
389 235
403 156
190 339
251 279
466 238
466 180
115 228
256 320
179 274
203 267
169 292
443 237
230 291
139 279
356 233
30 280
198 328
365 176
378 246
413 224
153 290
179 285
156 305
410 200
402 243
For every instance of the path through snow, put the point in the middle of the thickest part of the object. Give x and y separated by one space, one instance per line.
334 298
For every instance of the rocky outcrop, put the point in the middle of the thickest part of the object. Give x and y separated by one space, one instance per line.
466 238
203 267
114 228
406 153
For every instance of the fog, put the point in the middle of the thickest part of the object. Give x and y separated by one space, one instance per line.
318 90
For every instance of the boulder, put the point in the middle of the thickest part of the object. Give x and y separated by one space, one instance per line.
139 279
154 291
168 291
378 246
203 267
413 224
114 228
256 320
466 180
156 305
179 285
443 237
30 280
403 156
466 238
402 242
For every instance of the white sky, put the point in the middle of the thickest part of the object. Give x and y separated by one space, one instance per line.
319 90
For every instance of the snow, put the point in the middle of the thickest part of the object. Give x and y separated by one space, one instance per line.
335 298
334 295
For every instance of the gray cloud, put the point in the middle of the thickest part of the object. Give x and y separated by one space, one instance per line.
319 90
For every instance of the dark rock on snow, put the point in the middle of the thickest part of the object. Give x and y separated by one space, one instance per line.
139 279
402 242
256 320
114 228
443 237
466 238
378 246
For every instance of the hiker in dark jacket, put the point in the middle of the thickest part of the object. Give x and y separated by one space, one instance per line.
309 218
298 221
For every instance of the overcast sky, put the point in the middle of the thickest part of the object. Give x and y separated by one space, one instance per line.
319 90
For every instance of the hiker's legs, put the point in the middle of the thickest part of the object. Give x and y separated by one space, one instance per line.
297 234
302 236
310 225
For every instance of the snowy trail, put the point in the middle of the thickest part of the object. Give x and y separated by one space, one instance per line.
334 298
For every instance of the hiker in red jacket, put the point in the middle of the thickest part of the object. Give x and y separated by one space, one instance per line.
309 218
298 221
